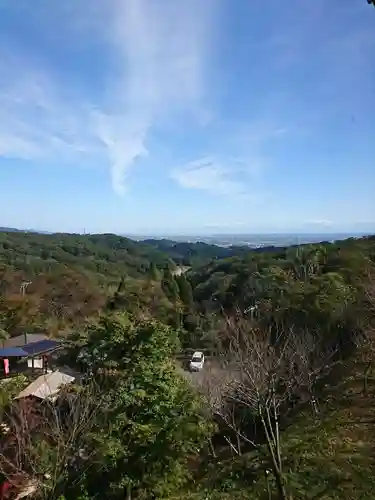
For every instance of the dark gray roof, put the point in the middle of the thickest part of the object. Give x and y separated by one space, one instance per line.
41 347
12 352
26 338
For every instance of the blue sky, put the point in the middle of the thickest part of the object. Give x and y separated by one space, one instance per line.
206 116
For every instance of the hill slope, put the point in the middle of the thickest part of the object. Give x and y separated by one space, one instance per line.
199 253
242 279
106 254
71 277
328 457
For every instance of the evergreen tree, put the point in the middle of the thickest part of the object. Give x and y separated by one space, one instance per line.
121 286
170 286
185 290
155 274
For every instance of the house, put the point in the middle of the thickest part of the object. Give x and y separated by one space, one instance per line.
9 358
46 386
39 352
31 355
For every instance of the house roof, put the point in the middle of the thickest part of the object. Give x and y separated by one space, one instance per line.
33 349
12 352
46 386
41 347
26 338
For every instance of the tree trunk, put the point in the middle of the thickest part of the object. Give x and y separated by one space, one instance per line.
276 467
365 378
281 494
212 448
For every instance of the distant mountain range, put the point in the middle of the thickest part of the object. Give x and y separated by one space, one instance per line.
225 240
250 240
11 230
14 230
194 251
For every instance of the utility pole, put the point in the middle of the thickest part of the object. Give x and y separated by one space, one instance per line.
23 288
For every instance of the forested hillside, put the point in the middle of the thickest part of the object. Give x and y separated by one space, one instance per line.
73 277
70 277
281 410
296 272
192 254
105 254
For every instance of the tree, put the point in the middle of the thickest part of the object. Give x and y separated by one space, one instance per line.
122 285
169 285
155 274
364 335
154 419
185 290
3 332
50 447
264 375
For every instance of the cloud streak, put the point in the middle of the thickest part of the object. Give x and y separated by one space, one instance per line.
161 48
158 53
319 222
230 179
158 57
35 121
207 175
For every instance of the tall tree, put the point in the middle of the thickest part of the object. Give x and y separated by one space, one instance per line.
155 274
185 290
169 285
155 419
262 376
122 286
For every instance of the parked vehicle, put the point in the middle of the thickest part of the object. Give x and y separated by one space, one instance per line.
196 362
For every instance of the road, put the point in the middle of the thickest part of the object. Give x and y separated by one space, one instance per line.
209 380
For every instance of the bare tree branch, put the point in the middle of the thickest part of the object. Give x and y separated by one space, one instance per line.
47 439
263 372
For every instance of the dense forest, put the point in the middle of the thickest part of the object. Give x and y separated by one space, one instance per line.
191 254
72 277
283 408
103 254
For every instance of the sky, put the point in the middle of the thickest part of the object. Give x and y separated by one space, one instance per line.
198 117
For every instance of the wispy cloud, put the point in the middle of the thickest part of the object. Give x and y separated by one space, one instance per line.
224 224
37 123
158 52
319 222
158 56
229 179
162 47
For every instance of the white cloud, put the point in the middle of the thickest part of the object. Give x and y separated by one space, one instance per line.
158 51
319 222
162 46
208 175
225 224
38 120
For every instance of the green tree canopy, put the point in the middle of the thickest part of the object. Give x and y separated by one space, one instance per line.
155 418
